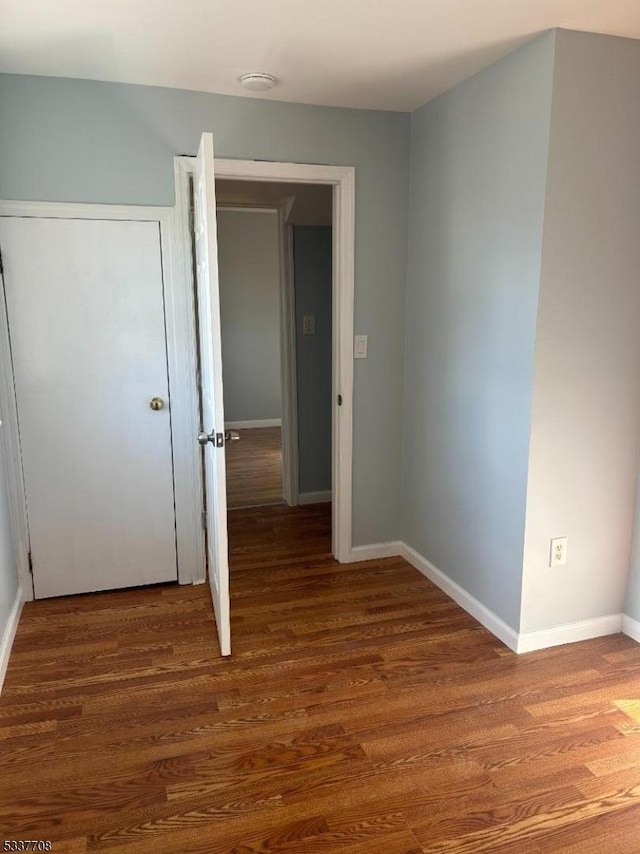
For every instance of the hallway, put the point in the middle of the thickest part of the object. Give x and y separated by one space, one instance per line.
254 468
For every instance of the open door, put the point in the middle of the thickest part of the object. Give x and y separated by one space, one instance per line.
212 436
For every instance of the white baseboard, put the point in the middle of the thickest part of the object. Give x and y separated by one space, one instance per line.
631 627
526 641
570 633
6 642
315 497
375 551
470 604
251 425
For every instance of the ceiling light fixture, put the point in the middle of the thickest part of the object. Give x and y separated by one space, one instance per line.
258 81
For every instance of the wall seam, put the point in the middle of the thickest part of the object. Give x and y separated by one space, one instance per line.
405 337
552 104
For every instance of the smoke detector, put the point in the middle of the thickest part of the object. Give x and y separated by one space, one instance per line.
257 81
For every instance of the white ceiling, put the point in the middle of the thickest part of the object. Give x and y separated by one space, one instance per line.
378 54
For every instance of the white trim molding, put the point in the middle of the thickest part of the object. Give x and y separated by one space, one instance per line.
180 333
342 179
631 627
570 633
516 641
8 636
253 425
315 498
375 551
469 603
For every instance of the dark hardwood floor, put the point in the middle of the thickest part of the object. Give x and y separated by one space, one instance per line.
362 712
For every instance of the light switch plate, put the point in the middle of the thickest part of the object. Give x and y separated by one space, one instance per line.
360 346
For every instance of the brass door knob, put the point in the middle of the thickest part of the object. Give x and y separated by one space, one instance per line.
156 403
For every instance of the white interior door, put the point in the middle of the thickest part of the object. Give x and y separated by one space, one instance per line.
212 435
86 317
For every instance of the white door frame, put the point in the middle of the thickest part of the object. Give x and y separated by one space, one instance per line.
342 179
288 357
178 304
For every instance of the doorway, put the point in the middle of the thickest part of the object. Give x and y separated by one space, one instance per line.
249 274
341 179
198 257
276 326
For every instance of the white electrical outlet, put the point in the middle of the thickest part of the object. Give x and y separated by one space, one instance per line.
308 325
558 555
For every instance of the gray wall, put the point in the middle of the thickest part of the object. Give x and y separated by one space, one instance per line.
585 433
249 267
478 168
85 141
8 567
313 284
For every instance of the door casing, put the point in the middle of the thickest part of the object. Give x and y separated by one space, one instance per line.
342 180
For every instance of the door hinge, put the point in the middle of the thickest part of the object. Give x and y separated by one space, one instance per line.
30 559
204 519
1 263
339 400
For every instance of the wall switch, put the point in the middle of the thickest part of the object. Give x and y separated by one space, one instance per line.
360 345
558 555
308 325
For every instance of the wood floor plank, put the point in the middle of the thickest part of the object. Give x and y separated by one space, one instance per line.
362 712
254 467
